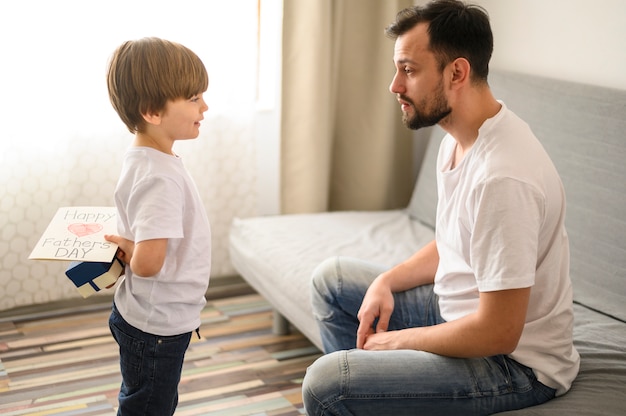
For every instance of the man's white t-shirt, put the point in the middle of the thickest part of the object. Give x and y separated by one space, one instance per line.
157 198
500 225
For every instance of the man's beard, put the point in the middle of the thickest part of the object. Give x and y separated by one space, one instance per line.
438 111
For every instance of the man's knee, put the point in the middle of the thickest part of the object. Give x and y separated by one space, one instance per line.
325 274
321 386
324 279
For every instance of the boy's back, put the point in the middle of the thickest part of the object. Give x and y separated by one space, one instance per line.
156 198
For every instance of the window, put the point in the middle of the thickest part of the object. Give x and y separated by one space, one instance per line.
62 142
55 55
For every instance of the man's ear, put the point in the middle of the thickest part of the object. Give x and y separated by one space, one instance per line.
460 71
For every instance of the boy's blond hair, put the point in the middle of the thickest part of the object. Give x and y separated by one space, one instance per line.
144 74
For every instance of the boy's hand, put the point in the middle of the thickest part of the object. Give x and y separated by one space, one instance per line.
125 247
121 272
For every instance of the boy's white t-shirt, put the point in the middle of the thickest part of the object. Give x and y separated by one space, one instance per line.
500 225
157 198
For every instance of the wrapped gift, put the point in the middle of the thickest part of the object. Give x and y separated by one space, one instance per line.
90 277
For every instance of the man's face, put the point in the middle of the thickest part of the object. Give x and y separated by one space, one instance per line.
418 82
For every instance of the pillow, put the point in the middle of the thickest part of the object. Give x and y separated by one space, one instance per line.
423 204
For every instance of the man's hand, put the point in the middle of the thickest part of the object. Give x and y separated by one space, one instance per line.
389 340
378 303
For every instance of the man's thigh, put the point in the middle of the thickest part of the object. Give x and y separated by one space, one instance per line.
406 382
340 283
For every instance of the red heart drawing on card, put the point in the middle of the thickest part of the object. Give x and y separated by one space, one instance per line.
82 230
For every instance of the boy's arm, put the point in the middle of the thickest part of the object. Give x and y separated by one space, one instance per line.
148 257
145 258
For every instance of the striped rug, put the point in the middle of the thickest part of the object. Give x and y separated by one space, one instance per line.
68 364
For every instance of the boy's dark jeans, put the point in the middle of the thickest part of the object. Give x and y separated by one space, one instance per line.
151 366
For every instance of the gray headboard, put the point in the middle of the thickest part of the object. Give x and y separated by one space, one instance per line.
583 128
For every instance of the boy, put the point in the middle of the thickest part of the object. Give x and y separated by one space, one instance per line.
156 87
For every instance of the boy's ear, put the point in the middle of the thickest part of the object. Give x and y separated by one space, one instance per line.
152 117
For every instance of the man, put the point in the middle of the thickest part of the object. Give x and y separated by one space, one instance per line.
478 321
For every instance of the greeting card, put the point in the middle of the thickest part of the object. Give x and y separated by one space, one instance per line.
77 234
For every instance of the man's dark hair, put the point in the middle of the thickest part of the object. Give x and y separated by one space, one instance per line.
456 30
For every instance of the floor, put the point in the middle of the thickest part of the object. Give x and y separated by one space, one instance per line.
63 361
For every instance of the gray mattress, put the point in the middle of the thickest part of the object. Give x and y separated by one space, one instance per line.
600 388
279 266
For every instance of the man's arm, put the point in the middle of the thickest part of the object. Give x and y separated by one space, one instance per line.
418 270
378 302
495 328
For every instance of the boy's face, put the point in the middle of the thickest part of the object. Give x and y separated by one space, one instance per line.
180 120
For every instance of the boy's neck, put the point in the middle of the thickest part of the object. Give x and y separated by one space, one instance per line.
156 143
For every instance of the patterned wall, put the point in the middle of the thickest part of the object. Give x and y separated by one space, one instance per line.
37 177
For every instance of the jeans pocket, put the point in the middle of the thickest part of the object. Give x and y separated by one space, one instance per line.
492 375
131 355
173 347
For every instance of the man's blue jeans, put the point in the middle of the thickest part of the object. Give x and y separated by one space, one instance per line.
151 366
349 381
